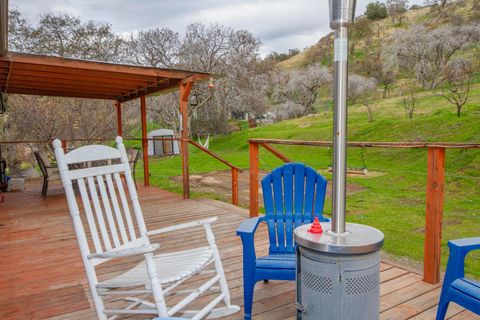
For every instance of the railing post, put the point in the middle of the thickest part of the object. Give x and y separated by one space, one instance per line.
434 213
253 179
235 186
143 115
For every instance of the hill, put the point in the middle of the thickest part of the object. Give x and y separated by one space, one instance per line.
383 30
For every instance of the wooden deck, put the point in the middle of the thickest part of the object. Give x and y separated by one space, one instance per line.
42 277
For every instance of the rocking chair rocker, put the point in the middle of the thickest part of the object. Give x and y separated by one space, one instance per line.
114 234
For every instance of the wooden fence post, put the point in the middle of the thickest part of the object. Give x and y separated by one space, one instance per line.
253 146
235 186
434 213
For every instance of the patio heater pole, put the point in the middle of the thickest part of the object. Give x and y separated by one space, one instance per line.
341 17
346 256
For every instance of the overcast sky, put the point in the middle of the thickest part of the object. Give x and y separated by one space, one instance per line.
280 24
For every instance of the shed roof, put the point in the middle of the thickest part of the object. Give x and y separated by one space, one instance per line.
55 76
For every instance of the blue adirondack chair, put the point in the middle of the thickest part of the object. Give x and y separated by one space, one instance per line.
293 194
456 288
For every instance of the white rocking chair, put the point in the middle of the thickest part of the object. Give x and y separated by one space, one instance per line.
115 234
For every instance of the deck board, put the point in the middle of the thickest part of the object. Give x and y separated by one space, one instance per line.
42 276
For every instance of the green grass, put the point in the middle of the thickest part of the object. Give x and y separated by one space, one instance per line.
393 201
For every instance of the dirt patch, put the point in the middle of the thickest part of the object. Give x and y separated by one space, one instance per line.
445 223
219 183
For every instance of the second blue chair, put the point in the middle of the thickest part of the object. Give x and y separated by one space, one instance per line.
293 194
456 288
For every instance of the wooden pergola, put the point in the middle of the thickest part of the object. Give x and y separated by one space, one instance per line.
54 76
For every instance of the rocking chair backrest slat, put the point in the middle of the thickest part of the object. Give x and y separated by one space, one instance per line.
108 210
99 213
116 208
88 212
125 207
105 203
293 195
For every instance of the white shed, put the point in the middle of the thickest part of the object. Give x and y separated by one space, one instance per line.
162 147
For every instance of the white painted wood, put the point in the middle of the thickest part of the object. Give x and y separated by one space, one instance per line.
183 226
93 171
88 212
78 226
116 208
108 211
99 214
125 252
125 207
159 274
92 153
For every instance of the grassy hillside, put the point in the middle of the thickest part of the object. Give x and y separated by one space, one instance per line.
393 199
382 33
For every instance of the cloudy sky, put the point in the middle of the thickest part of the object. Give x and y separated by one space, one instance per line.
280 24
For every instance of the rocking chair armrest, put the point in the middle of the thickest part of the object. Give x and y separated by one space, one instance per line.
186 225
249 226
126 252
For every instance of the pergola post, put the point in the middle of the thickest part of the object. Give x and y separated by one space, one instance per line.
185 88
118 106
143 113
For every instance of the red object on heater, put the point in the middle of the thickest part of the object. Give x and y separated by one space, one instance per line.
316 227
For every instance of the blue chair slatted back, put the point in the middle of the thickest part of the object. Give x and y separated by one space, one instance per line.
293 195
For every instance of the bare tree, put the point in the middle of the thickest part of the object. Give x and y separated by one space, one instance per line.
154 47
66 36
299 89
20 33
438 5
361 89
46 118
409 100
426 53
397 9
215 49
458 77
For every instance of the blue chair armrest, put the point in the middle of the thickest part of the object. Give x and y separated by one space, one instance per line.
456 261
465 245
246 231
249 226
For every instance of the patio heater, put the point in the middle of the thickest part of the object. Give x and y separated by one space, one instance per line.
338 263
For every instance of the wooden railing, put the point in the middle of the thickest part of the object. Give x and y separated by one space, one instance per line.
234 169
434 195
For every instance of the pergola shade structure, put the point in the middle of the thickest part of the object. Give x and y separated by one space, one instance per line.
55 76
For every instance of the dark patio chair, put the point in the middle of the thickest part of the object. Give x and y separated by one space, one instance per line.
49 171
456 288
293 195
